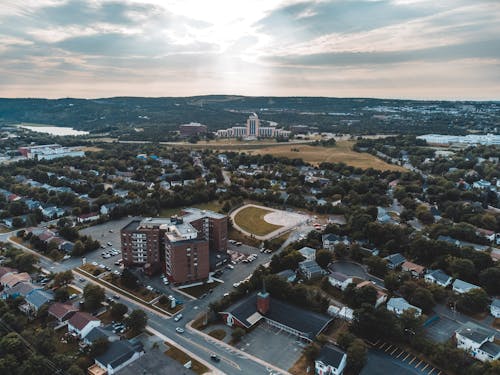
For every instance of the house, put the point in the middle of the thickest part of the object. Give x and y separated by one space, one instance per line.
485 233
395 260
399 305
330 361
86 218
330 240
308 253
11 279
461 287
107 208
415 270
118 355
67 247
5 270
19 290
495 307
81 323
481 184
62 311
343 312
52 212
35 300
288 275
339 280
309 269
100 333
249 311
478 342
438 277
381 294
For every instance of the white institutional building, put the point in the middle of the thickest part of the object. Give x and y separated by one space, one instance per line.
253 130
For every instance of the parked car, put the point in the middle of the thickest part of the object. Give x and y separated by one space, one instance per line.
214 358
178 317
179 330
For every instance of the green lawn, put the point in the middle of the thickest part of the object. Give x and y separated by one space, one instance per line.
212 206
252 220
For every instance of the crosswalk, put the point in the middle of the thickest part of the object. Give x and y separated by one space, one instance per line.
418 365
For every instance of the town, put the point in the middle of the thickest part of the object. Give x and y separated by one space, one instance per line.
131 257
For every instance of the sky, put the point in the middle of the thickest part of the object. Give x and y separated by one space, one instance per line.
416 49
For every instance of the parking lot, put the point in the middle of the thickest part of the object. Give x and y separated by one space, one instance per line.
272 345
442 329
385 359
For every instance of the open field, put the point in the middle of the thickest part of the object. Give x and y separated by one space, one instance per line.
212 206
90 149
341 153
252 220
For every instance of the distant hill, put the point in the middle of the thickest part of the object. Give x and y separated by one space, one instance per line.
119 115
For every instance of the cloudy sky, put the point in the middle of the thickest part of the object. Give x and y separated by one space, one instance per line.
443 49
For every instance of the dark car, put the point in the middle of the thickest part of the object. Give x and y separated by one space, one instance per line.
214 358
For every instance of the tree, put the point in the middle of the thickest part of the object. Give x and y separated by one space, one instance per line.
391 281
490 280
473 302
137 320
63 278
356 356
323 257
463 269
341 250
237 334
61 294
25 262
423 298
93 296
78 248
118 310
129 280
377 266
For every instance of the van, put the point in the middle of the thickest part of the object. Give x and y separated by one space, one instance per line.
230 266
110 244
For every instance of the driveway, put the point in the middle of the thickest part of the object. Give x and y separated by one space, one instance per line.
354 269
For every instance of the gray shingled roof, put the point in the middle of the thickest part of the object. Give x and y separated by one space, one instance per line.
119 352
330 355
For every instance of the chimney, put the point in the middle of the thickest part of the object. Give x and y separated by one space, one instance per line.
263 300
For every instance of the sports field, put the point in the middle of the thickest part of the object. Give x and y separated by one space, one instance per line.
341 153
251 219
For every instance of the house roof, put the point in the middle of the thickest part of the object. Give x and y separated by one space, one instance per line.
331 355
39 297
307 322
60 310
22 289
81 319
339 276
97 333
307 251
11 279
464 285
402 304
395 259
286 273
474 332
495 302
409 266
440 276
491 348
119 352
6 270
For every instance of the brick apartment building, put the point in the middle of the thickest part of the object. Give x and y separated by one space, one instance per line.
181 247
193 128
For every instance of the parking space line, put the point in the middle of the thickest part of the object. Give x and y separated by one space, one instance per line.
418 363
404 359
382 345
388 348
439 373
427 365
402 352
414 358
394 351
432 370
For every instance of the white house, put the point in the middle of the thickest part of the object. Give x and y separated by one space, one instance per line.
461 287
339 280
81 323
478 342
438 277
400 305
331 361
495 308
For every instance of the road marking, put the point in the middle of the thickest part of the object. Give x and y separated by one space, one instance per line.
432 370
414 358
394 351
388 348
404 359
402 352
382 345
427 365
439 373
418 363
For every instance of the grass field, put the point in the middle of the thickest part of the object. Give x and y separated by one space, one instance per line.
252 220
212 206
341 153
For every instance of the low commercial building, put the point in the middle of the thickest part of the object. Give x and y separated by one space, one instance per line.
192 129
50 152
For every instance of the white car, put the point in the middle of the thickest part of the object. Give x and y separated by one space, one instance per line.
95 264
179 330
178 317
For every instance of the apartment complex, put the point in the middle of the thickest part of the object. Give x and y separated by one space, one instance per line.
253 130
179 246
49 152
193 128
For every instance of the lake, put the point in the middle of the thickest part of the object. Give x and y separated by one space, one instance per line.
54 130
